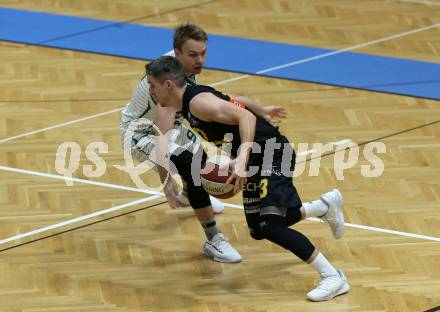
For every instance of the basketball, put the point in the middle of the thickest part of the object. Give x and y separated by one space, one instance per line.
214 176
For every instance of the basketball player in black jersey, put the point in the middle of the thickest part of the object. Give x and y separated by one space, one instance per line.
275 205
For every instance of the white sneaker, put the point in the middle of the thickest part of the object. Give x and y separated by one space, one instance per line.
217 205
334 215
329 287
219 249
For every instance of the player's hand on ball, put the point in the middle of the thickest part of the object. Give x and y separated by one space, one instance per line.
238 174
274 114
170 190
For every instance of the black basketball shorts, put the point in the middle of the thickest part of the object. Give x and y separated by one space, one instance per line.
271 190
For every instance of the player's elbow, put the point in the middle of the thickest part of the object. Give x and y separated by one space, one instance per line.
251 117
247 115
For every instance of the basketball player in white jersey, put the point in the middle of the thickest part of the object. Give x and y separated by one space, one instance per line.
189 44
138 136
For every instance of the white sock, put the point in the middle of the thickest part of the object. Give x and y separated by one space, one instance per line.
316 208
324 267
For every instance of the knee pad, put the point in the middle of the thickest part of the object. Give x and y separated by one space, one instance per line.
273 211
269 221
256 234
259 233
274 229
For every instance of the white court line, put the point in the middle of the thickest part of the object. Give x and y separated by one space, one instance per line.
376 229
309 59
370 228
214 84
421 2
75 220
95 183
320 56
158 195
59 125
60 177
107 185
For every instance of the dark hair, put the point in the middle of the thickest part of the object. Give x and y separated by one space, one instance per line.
166 68
184 32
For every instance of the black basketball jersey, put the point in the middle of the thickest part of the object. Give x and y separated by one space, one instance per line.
217 132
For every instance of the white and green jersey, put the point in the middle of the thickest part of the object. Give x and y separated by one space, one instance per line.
141 106
137 119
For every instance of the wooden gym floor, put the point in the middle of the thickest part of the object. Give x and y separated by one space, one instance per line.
147 257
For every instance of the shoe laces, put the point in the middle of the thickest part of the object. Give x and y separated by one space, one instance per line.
326 282
332 219
329 216
220 241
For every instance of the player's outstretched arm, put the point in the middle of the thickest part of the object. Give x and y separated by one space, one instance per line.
164 120
272 114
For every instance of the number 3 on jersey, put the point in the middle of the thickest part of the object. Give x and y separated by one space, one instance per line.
263 188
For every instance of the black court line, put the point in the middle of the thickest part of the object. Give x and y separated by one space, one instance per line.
375 140
82 226
123 22
408 83
361 88
335 86
433 309
157 204
400 132
44 42
71 100
251 93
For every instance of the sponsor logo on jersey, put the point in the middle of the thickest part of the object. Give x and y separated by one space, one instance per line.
251 200
237 103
